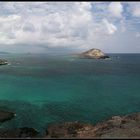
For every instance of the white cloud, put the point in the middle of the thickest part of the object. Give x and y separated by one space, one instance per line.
84 5
9 18
55 24
116 9
111 29
135 9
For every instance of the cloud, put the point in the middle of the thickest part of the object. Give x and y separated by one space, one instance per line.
115 9
137 35
111 29
134 7
28 27
65 24
52 23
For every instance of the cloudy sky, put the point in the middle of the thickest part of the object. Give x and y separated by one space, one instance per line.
44 26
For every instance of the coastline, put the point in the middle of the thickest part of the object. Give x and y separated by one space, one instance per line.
127 126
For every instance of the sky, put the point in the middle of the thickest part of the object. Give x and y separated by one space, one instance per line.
41 27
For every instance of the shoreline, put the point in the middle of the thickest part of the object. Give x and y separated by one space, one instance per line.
126 126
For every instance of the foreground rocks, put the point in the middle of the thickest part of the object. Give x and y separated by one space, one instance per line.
117 127
24 132
93 53
68 130
6 115
3 62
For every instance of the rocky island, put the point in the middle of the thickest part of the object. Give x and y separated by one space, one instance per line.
94 53
3 62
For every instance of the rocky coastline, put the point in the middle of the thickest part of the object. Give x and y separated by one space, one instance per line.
117 127
127 126
24 132
6 115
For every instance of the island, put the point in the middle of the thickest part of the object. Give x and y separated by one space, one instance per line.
3 62
94 53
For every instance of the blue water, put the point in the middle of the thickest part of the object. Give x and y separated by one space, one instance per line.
43 89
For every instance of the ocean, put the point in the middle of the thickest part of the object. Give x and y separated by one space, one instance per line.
48 88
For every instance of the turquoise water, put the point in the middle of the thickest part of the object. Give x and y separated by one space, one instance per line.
43 89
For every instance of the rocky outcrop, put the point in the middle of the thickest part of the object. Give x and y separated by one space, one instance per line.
117 127
3 62
67 130
120 127
6 115
93 53
24 132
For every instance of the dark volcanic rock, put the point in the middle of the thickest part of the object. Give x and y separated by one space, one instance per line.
5 115
24 132
93 53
